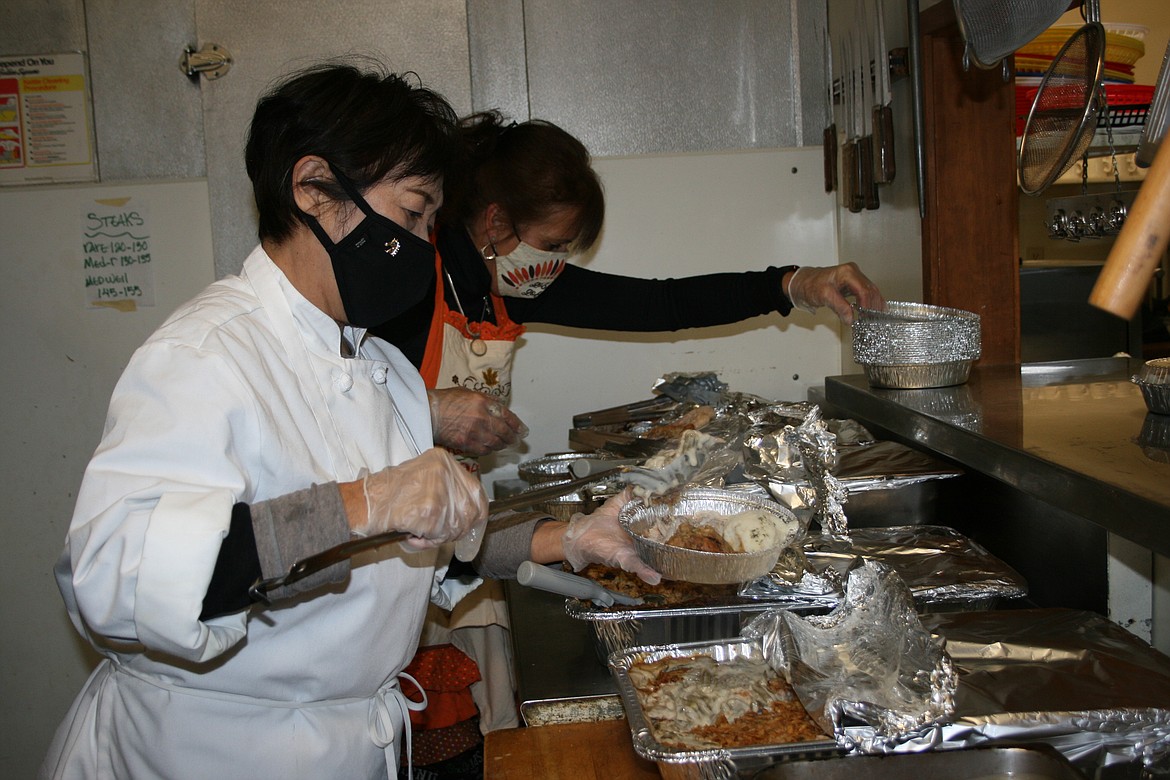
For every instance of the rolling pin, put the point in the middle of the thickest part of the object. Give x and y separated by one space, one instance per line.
1139 246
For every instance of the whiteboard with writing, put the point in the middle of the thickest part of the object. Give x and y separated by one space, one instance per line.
115 253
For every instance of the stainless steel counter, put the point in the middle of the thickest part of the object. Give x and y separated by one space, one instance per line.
1074 435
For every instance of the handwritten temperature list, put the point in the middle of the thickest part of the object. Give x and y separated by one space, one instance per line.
116 255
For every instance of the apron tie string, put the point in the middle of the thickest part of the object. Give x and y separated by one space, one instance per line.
385 705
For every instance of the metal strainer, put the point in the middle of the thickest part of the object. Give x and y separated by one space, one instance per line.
993 29
1068 104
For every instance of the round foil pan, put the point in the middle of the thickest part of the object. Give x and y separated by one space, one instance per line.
552 467
915 333
1157 397
919 376
708 568
1155 372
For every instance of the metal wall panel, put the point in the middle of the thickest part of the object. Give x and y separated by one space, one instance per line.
148 119
499 74
268 39
670 75
42 26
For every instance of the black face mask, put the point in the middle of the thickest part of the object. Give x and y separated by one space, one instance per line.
381 268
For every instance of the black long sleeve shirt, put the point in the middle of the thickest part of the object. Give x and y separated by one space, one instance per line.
581 298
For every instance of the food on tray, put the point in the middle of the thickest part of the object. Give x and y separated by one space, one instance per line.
668 593
691 420
697 703
749 531
699 537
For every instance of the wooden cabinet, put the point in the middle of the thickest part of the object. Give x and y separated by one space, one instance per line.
970 246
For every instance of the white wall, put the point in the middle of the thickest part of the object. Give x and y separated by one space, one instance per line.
681 215
61 362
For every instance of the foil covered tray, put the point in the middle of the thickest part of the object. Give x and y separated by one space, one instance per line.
1068 678
941 567
870 662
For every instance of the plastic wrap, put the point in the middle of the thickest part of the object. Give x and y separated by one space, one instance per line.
698 388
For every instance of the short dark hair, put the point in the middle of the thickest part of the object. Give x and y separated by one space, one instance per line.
529 168
368 123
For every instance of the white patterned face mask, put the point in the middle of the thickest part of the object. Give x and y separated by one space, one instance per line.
526 271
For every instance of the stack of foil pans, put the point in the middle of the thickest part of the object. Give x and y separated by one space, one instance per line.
916 345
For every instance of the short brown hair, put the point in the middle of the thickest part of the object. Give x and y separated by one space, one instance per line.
529 168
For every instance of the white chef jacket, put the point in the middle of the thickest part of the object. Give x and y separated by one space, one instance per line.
241 395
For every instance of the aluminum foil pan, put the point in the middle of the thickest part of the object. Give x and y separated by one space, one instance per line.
914 333
915 345
1153 378
552 467
676 563
648 747
918 376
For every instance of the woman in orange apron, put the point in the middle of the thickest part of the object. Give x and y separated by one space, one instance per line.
530 201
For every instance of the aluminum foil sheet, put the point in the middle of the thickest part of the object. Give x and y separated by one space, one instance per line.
1067 678
907 334
939 566
868 661
677 563
818 456
698 388
553 466
883 465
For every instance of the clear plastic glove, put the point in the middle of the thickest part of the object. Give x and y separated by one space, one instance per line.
599 538
432 497
810 288
473 422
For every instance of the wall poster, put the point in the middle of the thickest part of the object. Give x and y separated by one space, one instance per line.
45 129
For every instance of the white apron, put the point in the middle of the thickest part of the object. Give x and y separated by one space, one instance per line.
240 396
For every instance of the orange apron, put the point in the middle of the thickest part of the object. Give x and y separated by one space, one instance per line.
461 354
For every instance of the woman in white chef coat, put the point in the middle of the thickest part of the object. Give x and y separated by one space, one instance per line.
261 424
